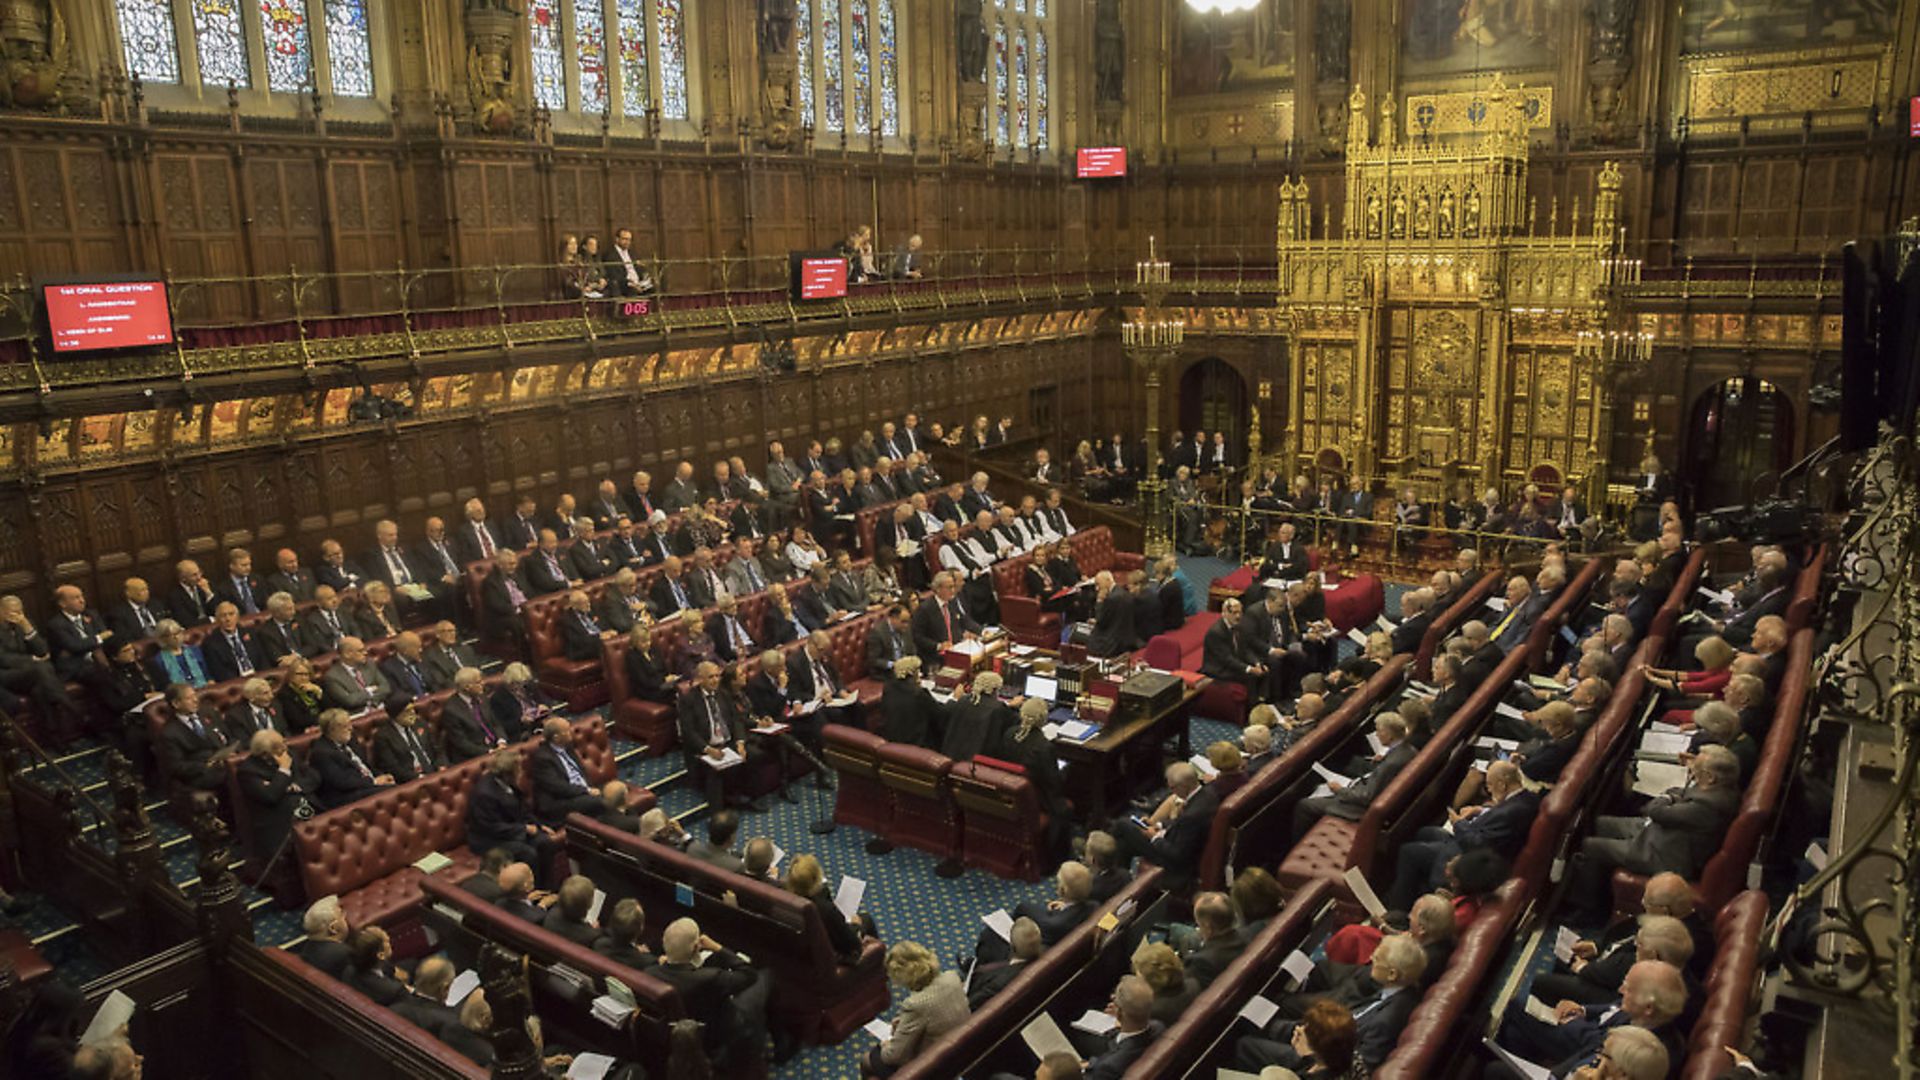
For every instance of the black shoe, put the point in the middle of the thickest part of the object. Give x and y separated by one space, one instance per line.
757 806
786 794
784 1046
823 781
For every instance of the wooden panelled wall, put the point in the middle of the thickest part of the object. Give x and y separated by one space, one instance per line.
97 527
260 205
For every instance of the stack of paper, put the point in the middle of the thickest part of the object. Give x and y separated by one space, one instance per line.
1095 1022
1655 777
1541 682
1374 743
1488 742
1359 636
1664 744
1044 1037
1521 1067
879 1029
727 760
590 1066
1511 712
463 984
611 1011
1078 730
1496 604
1541 1011
1298 965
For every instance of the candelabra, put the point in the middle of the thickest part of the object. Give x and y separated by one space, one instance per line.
1150 340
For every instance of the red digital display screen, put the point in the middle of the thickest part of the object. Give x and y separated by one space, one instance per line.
1913 112
1099 161
823 279
108 315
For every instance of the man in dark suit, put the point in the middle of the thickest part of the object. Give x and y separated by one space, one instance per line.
571 916
256 711
344 775
191 599
1416 615
1453 690
948 506
708 730
560 784
1054 919
939 621
466 723
1355 510
518 895
583 561
1598 964
1286 557
521 529
425 1001
192 744
623 550
1229 651
276 790
1398 964
1113 633
241 585
134 616
503 593
623 941
446 654
230 651
1500 824
401 748
1024 946
1652 997
476 539
581 635
812 604
334 569
1678 832
1350 800
545 571
669 592
717 849
405 668
681 491
282 634
497 817
326 929
290 577
74 635
622 605
1177 832
888 640
1219 943
326 624
354 683
1109 1056
606 508
721 991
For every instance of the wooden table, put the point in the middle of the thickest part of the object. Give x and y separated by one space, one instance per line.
1124 758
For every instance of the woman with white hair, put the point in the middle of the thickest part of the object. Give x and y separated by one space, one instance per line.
936 1004
519 704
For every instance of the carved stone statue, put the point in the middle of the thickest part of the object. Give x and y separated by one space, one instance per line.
1373 216
1332 38
34 54
1470 214
1109 52
1443 220
1397 216
777 65
1612 26
776 26
970 41
1422 215
491 27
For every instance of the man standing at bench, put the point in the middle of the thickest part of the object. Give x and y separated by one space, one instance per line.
708 731
496 817
560 784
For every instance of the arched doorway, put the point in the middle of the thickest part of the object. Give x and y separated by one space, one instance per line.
1739 440
1213 397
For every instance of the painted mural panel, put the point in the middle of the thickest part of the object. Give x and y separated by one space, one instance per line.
1445 37
1242 51
1735 25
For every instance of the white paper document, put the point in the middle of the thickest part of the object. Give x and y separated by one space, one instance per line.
1363 892
593 911
107 1021
1563 944
1000 923
1044 1037
1259 1010
1488 742
1359 636
1511 712
1051 731
1527 1070
1496 603
1659 742
1374 743
463 984
1722 597
1203 766
879 1029
1299 965
1320 792
1329 775
1816 856
1541 1011
1078 730
727 759
590 1066
1664 728
1386 625
1095 1022
966 648
1655 777
847 898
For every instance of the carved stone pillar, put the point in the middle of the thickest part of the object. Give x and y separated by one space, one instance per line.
491 26
220 908
503 975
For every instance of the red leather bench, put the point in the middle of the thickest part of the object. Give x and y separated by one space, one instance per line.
1730 987
775 927
364 852
1004 827
860 799
964 1050
1211 1018
1450 620
657 1004
1253 824
363 1015
1726 872
924 813
1440 1027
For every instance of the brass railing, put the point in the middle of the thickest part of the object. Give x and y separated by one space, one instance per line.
300 319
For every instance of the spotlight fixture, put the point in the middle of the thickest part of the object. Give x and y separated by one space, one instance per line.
1222 7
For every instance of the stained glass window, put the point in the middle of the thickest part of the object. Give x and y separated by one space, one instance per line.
283 23
673 60
590 49
1020 115
1003 126
146 37
549 72
220 43
1040 88
1039 9
803 50
887 62
635 92
349 48
830 72
862 66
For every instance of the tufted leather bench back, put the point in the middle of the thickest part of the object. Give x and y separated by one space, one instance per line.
1439 1025
361 1012
1730 984
1005 825
1449 619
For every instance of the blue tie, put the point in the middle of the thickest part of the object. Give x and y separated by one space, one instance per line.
573 770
